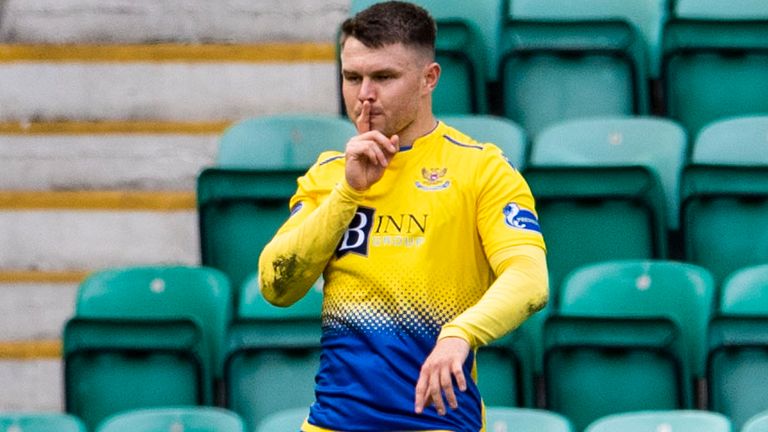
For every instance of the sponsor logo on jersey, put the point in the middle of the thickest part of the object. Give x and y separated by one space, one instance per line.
355 239
432 179
520 218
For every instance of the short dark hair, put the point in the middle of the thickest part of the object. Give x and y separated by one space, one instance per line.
392 22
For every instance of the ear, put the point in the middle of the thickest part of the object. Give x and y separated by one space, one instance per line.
431 76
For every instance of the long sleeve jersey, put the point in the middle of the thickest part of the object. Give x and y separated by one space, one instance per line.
446 244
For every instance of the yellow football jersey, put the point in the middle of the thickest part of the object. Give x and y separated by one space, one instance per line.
420 250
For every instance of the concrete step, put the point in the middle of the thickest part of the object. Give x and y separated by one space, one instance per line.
137 21
106 155
65 231
165 82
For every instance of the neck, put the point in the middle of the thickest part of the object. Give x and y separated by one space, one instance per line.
417 129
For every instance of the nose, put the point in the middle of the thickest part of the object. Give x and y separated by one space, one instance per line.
367 91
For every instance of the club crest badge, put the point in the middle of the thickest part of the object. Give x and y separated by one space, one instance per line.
432 179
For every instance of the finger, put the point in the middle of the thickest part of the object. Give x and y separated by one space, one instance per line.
435 395
395 142
458 375
363 121
421 394
447 384
376 155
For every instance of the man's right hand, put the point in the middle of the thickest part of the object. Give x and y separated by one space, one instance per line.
368 154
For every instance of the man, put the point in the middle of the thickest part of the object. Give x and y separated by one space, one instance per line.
428 242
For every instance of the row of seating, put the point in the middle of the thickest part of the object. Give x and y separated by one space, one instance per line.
620 336
606 188
498 419
539 61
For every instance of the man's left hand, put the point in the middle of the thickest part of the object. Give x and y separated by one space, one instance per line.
440 369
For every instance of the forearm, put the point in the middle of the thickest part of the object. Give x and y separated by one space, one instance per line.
520 290
295 258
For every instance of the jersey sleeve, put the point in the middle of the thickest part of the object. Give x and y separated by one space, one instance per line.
512 240
321 211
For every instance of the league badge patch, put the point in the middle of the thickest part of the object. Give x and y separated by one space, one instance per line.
520 218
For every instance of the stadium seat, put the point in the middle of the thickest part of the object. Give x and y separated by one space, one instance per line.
715 61
289 419
724 207
737 367
654 142
648 17
501 131
508 419
627 335
757 423
466 47
145 337
39 422
284 141
592 214
272 354
553 70
239 211
183 419
662 421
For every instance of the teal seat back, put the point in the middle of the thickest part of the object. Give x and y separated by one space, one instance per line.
677 420
625 337
734 141
595 213
239 211
757 423
282 141
145 337
656 143
200 294
186 419
273 354
507 419
39 422
737 369
648 17
714 62
726 186
553 71
507 135
289 419
681 292
746 10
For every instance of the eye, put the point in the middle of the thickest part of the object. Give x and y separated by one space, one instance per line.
352 79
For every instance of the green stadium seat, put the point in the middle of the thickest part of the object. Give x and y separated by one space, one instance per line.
553 70
273 354
724 210
662 421
36 421
508 419
466 47
715 61
174 419
508 136
737 368
284 141
145 337
597 213
656 143
757 423
648 17
289 419
239 211
627 336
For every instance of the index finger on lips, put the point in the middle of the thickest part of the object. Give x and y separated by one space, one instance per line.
363 121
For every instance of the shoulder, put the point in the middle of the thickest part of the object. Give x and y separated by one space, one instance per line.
482 152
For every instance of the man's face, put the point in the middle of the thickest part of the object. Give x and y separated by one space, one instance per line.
391 78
